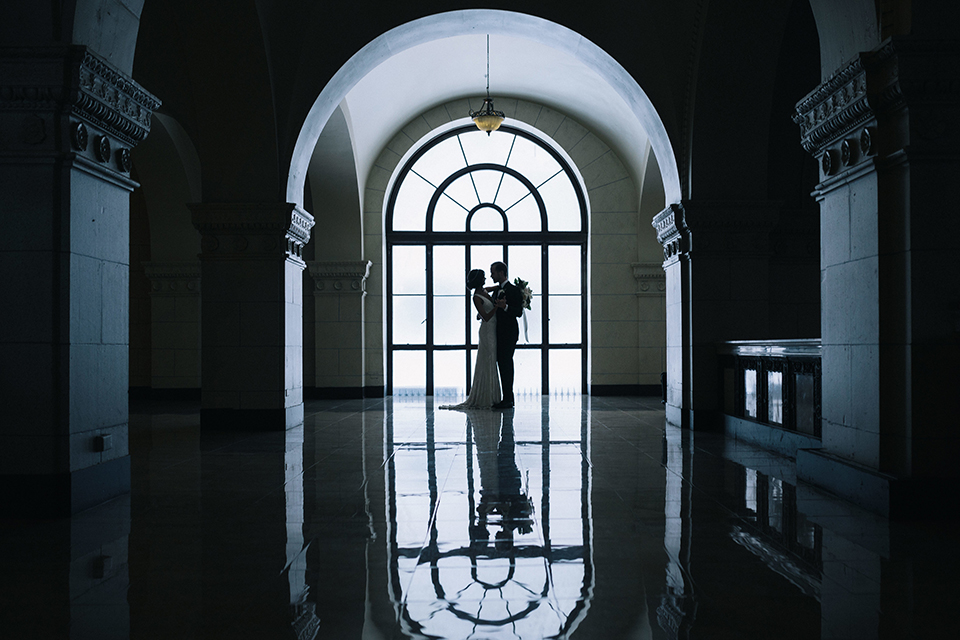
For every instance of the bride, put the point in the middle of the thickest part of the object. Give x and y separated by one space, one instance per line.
485 390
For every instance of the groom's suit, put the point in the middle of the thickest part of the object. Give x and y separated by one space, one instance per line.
508 332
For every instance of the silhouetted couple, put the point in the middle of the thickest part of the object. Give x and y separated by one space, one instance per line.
498 308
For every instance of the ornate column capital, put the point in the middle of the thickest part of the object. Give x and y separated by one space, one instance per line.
839 119
252 231
651 278
335 278
672 232
173 278
69 101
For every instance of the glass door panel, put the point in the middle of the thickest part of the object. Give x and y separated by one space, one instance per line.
449 374
409 373
565 319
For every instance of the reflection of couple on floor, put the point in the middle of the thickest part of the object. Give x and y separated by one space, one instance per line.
498 308
503 502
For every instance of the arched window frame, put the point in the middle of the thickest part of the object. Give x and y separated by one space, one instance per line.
429 239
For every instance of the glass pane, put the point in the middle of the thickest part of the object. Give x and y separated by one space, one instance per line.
565 269
750 393
527 377
533 161
449 277
449 216
525 216
409 269
463 192
481 148
805 403
409 373
410 208
487 183
440 161
563 209
511 191
448 318
450 375
565 369
409 319
775 396
482 256
565 320
486 219
524 263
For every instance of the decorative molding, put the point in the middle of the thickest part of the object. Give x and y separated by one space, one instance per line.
650 277
336 278
238 231
848 100
173 278
672 231
72 90
112 101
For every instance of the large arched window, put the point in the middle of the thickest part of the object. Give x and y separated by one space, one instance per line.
465 200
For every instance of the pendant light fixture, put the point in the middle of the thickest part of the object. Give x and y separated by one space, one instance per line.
487 119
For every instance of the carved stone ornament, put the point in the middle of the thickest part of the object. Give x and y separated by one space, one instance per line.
339 278
650 277
79 136
124 161
848 100
866 142
672 231
173 278
103 149
112 101
72 85
252 230
826 162
846 153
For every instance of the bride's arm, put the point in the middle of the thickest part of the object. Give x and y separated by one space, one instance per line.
478 303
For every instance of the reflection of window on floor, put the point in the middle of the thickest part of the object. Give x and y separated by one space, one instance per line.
489 525
463 201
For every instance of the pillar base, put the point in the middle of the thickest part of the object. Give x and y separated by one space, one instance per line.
252 419
61 495
882 493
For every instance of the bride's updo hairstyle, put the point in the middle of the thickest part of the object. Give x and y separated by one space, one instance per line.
475 278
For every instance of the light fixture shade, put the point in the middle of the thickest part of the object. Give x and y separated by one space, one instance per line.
487 119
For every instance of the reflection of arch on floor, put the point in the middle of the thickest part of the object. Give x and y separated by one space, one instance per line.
479 548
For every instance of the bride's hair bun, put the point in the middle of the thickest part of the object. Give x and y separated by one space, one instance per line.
475 278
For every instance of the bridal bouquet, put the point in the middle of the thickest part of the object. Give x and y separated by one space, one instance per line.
524 287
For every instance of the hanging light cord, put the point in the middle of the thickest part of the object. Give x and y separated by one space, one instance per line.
488 65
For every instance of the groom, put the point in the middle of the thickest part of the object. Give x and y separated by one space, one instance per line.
509 308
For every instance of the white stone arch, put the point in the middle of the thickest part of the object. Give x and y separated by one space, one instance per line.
456 23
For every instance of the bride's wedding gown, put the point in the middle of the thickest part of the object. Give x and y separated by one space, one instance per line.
485 390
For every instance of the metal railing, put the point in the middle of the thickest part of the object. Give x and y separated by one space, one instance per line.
773 382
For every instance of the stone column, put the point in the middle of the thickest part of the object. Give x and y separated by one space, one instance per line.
339 292
252 313
174 326
651 300
716 259
68 121
882 129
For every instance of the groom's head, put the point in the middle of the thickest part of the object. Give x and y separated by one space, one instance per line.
498 272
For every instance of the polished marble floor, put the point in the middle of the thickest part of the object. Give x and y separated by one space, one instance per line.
564 518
